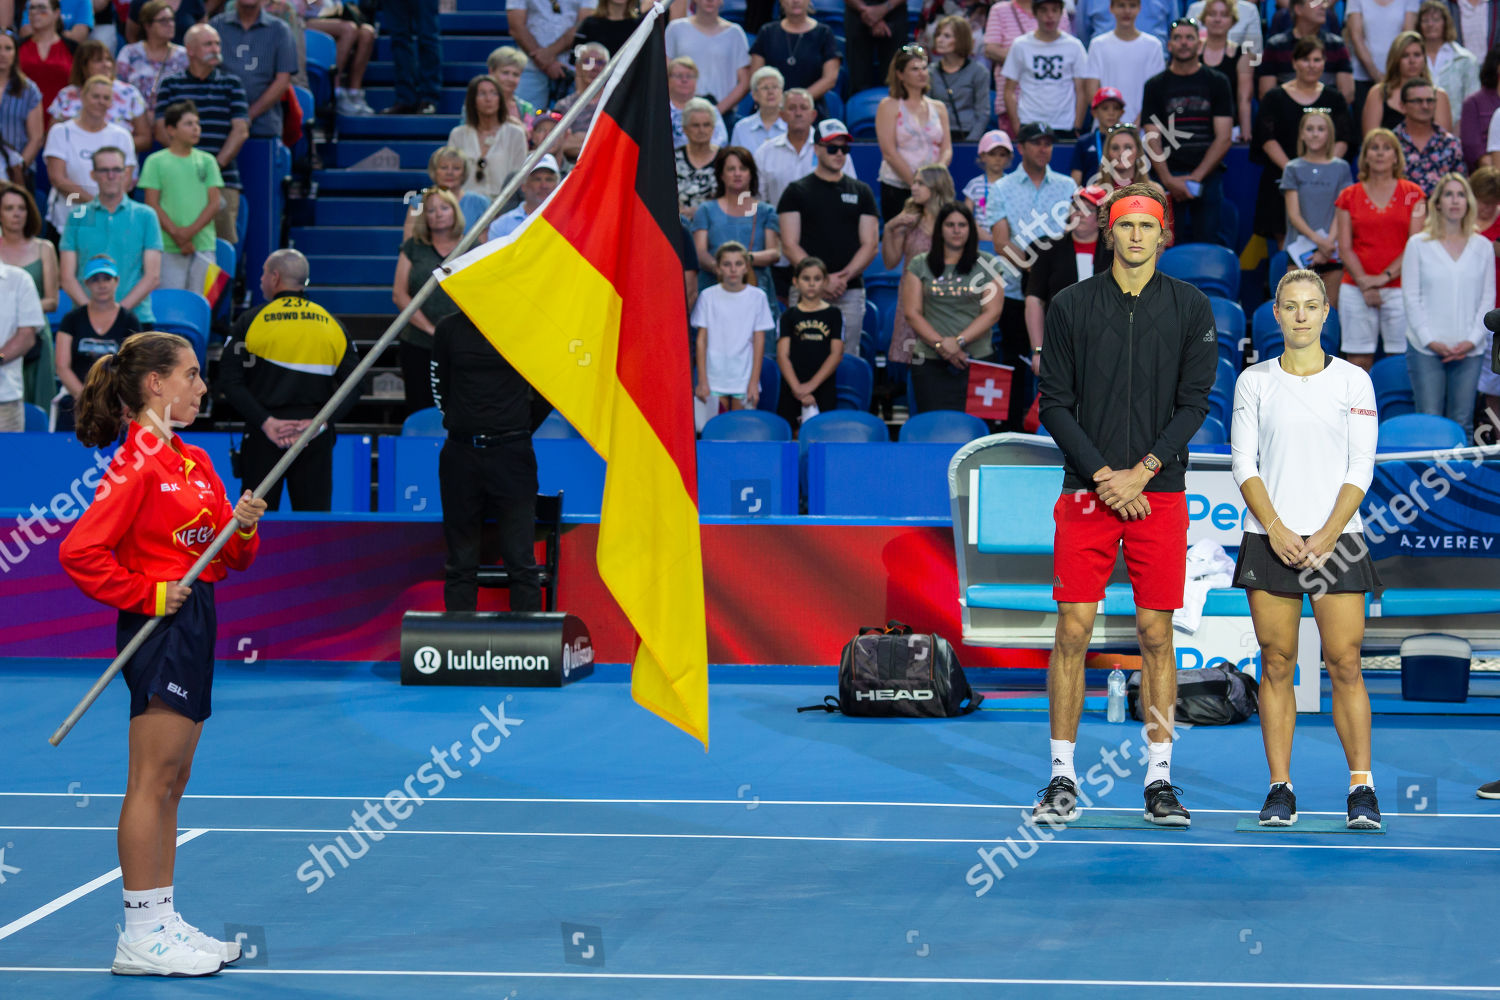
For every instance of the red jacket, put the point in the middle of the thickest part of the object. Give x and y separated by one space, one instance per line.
155 512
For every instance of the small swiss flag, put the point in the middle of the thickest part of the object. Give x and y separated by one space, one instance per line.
989 390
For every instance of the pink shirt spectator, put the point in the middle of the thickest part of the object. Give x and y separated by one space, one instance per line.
917 144
1006 23
135 67
124 109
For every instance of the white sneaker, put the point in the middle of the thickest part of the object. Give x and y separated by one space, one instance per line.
159 954
360 102
345 104
182 931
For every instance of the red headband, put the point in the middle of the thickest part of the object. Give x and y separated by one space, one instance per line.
1136 203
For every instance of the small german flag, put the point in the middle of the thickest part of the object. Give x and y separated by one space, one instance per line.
586 300
215 280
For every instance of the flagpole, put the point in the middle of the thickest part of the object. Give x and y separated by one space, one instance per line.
366 363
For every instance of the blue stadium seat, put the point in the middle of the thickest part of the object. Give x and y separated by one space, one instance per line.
1393 396
943 425
555 426
185 313
883 297
1214 269
844 425
308 103
225 256
1229 318
64 306
859 111
322 52
1419 432
1333 335
871 323
1212 432
747 425
770 383
36 417
833 100
1280 263
855 382
424 423
1221 398
1265 333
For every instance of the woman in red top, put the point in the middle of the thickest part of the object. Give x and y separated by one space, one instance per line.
157 509
1374 218
47 56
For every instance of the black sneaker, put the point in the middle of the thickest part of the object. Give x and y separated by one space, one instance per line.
398 109
1281 806
1364 810
1162 807
1059 802
1490 791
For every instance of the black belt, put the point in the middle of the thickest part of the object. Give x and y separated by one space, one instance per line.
492 440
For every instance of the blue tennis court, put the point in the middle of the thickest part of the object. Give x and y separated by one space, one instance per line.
566 843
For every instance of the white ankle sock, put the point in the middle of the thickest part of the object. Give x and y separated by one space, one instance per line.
1159 763
1355 783
161 903
140 916
1062 759
1288 784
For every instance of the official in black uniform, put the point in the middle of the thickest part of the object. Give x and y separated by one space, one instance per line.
281 364
487 466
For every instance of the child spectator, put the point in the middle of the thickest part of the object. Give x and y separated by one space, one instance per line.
184 187
809 348
1108 105
1044 74
1124 59
1311 182
732 320
995 154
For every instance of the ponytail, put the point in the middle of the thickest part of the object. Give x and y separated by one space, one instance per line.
113 392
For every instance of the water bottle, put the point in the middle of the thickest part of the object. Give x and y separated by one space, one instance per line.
1116 695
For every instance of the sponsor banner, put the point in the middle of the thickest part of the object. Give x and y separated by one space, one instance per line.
507 649
1447 508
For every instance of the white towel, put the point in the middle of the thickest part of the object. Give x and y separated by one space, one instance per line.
1208 568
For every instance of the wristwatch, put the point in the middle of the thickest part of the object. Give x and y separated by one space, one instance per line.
1152 464
1036 350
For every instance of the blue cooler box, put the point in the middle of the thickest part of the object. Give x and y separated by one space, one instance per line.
1435 667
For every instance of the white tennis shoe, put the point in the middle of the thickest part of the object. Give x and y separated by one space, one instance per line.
160 953
185 933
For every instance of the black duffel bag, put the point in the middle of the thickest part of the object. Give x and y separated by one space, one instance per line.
895 672
1207 696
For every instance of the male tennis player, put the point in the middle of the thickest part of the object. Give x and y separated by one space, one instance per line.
1129 357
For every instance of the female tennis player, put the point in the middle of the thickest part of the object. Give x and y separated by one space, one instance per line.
157 509
1303 438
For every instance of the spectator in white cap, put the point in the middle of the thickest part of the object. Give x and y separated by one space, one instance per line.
789 156
1108 106
535 188
995 155
766 123
834 218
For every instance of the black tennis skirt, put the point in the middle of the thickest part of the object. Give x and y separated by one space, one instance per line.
1350 570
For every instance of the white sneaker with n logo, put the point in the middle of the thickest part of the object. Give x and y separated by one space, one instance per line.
158 953
185 933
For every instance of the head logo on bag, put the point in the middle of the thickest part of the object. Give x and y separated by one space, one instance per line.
893 671
892 694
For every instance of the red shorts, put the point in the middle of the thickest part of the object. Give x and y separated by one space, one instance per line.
1089 534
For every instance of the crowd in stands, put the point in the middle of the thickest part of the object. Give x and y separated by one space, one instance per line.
134 118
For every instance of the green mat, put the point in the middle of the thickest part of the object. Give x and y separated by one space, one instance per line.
1305 824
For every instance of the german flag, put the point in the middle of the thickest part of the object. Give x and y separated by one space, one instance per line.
586 300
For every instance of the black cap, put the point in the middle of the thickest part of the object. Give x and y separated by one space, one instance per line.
1034 130
1492 320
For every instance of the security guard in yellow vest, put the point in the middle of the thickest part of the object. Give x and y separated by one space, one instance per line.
281 364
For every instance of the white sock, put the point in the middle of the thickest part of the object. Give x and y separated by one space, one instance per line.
1288 784
140 916
1159 762
1062 759
161 903
1354 783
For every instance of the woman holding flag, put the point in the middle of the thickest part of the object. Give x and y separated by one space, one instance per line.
953 309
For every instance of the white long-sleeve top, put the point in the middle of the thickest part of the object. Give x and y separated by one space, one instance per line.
1305 437
1446 299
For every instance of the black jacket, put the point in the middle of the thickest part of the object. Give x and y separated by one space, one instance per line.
474 386
1124 376
285 360
1057 267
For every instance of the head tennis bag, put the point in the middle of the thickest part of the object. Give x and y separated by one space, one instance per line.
894 671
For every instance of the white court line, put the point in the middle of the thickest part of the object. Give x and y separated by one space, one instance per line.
760 803
1165 841
767 978
78 893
